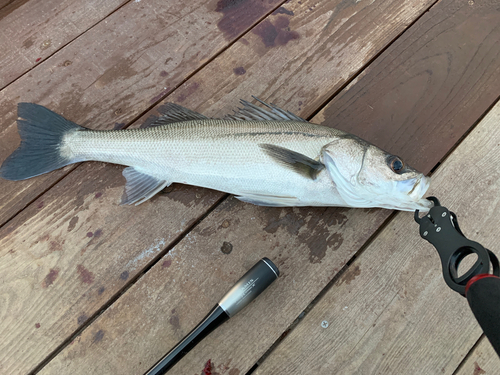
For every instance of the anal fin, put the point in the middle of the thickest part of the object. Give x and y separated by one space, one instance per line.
268 200
140 186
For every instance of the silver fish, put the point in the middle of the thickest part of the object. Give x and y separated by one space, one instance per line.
268 157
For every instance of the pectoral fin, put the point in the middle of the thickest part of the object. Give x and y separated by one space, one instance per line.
140 186
297 162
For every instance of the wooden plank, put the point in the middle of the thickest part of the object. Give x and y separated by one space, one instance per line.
69 289
206 100
305 248
66 255
435 80
482 360
119 69
391 312
185 284
32 31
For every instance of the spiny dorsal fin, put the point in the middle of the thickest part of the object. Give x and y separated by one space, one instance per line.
297 162
140 186
172 112
251 112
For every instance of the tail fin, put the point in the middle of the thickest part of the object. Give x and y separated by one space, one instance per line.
41 132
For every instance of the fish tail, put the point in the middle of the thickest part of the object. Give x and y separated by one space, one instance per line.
41 132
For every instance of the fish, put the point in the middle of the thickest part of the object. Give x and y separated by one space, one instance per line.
261 154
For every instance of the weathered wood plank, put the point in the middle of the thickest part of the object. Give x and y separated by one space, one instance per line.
206 100
483 360
436 80
178 291
32 31
391 312
310 235
118 69
66 255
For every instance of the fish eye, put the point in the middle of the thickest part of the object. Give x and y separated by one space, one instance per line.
397 165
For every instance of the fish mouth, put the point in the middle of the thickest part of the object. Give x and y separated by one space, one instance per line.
416 188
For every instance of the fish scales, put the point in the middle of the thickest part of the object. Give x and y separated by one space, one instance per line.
218 154
264 156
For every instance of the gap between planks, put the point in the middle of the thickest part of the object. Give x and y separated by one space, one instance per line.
146 110
62 45
324 291
344 269
128 285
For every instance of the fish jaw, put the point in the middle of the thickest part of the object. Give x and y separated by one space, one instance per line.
415 189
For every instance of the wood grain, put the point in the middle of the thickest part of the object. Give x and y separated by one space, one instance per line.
33 31
104 270
430 85
80 354
392 312
483 360
119 69
184 285
66 255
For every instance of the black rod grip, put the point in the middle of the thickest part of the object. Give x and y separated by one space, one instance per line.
246 289
483 295
214 319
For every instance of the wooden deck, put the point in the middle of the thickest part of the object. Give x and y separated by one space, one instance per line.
91 287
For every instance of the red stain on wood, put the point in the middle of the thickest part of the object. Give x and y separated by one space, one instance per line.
478 370
37 325
98 336
277 34
174 321
282 10
86 276
50 278
351 274
189 89
238 15
239 71
208 368
82 319
166 263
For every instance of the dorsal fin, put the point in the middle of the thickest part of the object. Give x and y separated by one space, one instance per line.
172 112
295 161
251 112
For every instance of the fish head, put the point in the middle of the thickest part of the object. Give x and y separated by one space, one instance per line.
366 176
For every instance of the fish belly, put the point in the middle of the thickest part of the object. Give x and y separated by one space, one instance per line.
232 164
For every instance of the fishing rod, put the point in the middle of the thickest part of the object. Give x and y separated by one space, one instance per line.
480 287
246 289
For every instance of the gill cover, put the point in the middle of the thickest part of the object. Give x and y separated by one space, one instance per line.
344 159
365 176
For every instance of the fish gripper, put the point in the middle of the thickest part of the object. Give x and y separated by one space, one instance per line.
440 227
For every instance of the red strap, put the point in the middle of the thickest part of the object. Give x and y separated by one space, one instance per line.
476 278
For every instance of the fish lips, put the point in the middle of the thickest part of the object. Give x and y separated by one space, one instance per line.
415 188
